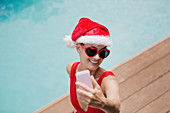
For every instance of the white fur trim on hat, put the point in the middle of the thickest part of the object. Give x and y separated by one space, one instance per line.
96 39
69 42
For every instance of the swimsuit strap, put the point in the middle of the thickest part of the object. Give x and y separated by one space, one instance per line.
105 74
73 95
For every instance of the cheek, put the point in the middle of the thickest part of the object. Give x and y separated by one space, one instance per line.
100 61
83 56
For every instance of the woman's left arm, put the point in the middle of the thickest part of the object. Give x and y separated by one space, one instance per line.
95 97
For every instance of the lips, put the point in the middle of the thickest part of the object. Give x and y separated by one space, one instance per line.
94 62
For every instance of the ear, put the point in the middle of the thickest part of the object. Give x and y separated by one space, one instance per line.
78 48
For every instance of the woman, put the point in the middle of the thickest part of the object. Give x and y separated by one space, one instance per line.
91 40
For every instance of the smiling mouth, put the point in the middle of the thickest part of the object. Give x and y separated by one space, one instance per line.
94 62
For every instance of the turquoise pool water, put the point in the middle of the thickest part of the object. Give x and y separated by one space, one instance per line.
33 55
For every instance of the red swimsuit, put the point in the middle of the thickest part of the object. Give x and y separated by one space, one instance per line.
73 95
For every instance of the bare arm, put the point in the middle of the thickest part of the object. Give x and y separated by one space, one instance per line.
111 89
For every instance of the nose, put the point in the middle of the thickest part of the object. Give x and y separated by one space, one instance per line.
96 57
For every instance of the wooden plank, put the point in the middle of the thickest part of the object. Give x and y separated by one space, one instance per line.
146 95
142 60
160 105
145 77
61 105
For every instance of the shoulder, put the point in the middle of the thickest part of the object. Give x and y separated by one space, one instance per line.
104 74
108 77
68 67
110 83
109 80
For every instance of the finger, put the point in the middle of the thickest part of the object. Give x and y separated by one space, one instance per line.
94 82
84 93
84 99
85 87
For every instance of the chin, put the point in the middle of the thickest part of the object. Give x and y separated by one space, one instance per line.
93 67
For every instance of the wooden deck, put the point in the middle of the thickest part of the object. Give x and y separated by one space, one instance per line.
144 83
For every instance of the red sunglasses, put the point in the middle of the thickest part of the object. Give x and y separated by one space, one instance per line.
91 51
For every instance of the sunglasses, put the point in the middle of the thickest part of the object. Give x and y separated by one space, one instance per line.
92 51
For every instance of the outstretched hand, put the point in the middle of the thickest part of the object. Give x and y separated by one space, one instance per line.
93 97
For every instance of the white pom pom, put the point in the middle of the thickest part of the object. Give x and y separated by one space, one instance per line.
69 42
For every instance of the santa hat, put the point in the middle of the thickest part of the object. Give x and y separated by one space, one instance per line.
89 32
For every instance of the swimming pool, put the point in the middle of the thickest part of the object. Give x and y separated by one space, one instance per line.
33 55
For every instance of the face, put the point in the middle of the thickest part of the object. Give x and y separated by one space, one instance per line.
91 62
